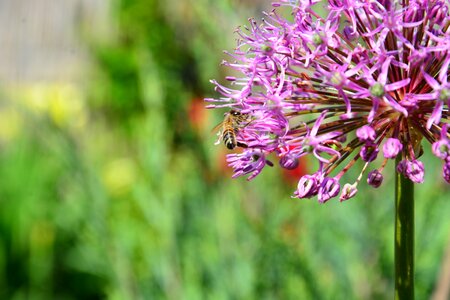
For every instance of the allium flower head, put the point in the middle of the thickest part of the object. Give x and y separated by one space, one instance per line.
369 81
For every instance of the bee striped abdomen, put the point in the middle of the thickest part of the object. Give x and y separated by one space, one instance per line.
229 138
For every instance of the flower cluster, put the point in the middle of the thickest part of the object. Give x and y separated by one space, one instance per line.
368 80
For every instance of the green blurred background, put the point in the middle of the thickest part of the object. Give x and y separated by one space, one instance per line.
111 187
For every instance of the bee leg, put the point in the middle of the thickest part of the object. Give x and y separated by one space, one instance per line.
242 145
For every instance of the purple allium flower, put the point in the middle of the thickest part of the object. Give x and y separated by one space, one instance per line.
370 74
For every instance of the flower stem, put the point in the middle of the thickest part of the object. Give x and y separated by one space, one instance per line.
404 237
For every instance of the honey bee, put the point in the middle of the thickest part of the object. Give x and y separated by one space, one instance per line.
233 121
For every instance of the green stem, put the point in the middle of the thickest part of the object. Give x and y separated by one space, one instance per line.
404 238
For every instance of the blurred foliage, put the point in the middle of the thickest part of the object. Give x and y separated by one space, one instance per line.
116 190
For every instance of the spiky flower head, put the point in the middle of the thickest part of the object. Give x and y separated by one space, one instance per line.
368 80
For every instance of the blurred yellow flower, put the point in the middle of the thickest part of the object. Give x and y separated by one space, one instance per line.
66 106
11 123
119 176
61 101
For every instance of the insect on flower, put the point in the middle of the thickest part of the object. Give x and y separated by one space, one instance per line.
368 82
232 122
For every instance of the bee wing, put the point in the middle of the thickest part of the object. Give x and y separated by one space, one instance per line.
216 128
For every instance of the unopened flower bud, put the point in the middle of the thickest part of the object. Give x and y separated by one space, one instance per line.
369 152
289 162
392 147
415 171
375 178
366 134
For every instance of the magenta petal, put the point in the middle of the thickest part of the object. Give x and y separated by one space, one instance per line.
431 81
397 85
436 114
